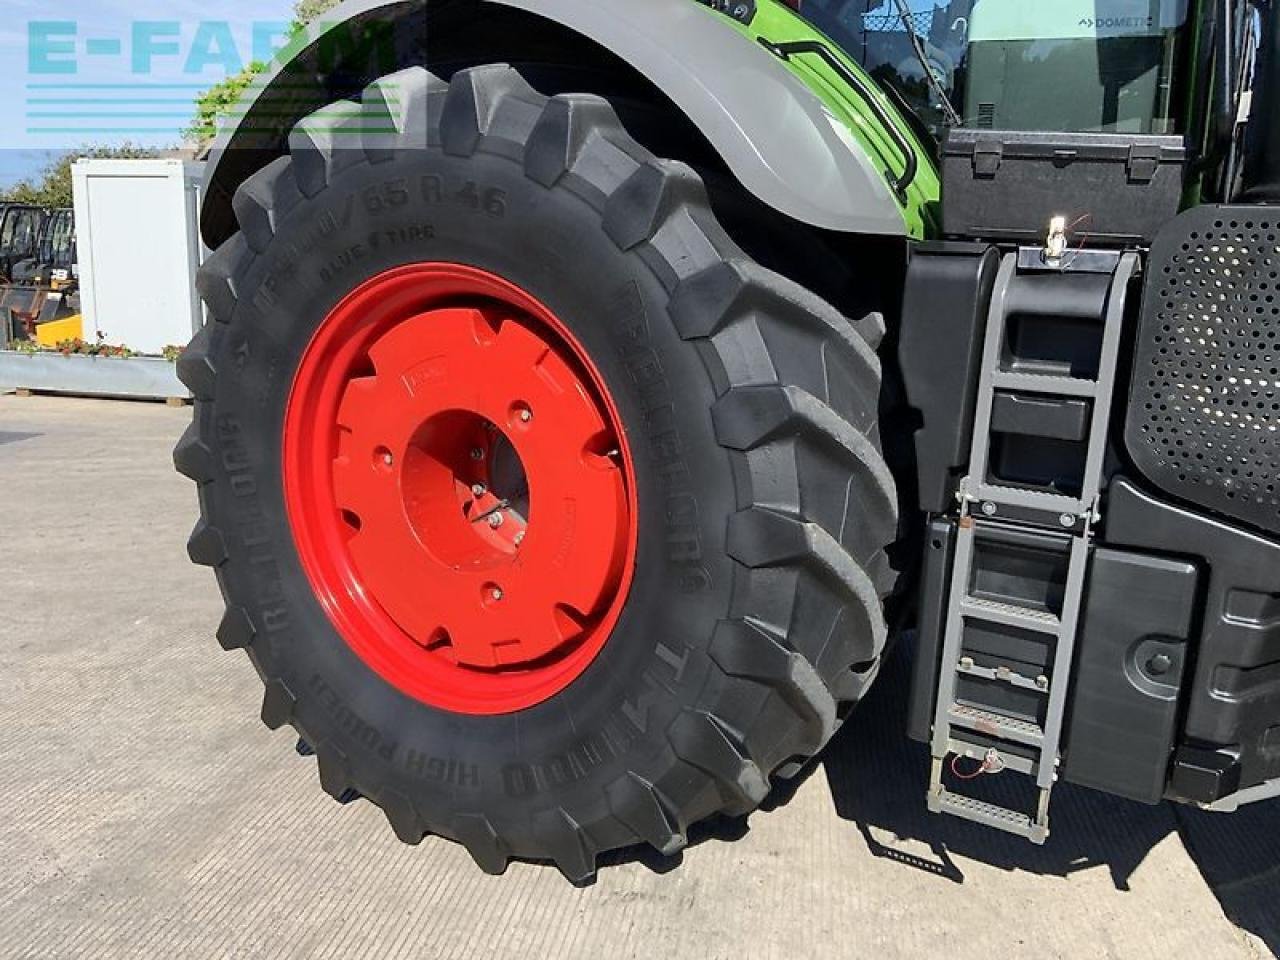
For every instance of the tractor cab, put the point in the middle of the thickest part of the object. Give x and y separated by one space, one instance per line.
1085 110
39 287
1082 66
53 263
20 228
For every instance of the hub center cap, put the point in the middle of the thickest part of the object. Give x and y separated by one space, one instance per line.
447 552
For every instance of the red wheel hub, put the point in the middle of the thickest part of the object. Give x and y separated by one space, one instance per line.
458 487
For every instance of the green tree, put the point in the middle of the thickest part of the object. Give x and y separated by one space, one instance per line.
52 186
219 100
304 11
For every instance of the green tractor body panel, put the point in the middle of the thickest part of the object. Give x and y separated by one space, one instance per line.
775 23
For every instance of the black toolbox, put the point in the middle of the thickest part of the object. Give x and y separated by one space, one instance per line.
1008 185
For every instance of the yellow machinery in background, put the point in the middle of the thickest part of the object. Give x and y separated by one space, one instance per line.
40 299
54 332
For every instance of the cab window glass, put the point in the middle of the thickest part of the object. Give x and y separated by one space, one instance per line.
1077 65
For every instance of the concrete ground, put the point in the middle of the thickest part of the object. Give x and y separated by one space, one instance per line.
149 813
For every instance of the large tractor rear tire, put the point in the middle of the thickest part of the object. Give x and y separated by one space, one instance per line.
550 521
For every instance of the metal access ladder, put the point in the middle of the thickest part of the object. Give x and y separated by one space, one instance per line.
986 505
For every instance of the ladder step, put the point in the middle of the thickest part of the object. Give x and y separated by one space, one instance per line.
988 814
993 611
1060 386
1002 675
996 725
1030 499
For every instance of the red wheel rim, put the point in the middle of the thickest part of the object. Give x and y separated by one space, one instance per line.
459 488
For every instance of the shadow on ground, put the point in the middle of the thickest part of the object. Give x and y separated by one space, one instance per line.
7 436
878 780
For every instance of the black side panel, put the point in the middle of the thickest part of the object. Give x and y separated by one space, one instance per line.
1233 703
1138 616
1204 403
944 314
939 548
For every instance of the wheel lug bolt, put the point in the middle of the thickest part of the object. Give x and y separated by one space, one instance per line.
478 490
519 538
477 453
496 595
388 459
526 416
495 520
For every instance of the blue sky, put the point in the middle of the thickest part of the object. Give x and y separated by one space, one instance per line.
80 72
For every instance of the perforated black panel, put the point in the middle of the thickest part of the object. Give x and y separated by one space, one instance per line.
1204 411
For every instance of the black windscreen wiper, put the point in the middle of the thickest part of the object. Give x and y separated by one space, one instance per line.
905 14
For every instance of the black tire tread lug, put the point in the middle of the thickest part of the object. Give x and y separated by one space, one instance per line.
473 105
195 367
403 817
568 845
216 278
700 739
278 704
334 771
236 630
325 144
487 849
872 328
396 111
639 805
206 545
561 134
263 201
753 418
710 300
760 537
638 208
745 649
192 457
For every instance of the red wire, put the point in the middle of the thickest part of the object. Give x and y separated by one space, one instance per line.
982 768
1084 237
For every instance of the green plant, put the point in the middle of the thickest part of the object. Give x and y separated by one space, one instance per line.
222 98
304 11
172 352
95 348
217 102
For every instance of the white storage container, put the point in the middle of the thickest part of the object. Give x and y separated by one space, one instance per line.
139 248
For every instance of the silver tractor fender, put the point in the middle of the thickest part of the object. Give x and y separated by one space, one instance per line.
769 129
